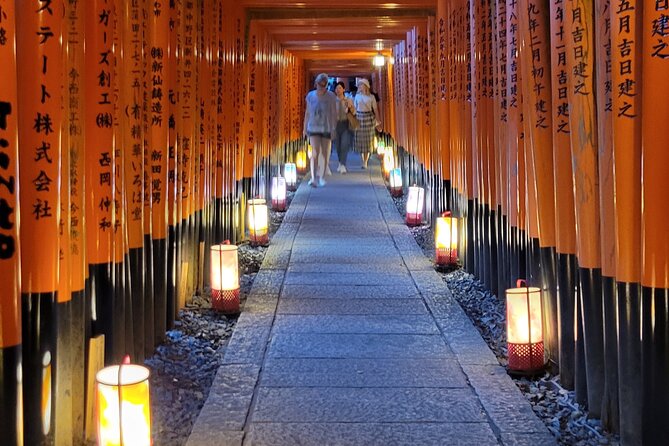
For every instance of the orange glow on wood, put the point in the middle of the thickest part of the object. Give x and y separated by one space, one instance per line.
565 216
655 156
583 132
40 77
10 259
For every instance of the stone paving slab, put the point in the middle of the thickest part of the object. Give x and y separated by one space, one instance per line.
349 292
323 345
311 323
323 278
506 406
369 268
342 256
370 434
351 306
372 405
362 372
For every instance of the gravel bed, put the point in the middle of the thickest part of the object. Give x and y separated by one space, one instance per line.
557 407
184 366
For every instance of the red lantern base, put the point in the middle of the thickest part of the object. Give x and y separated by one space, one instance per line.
279 205
291 187
301 171
414 219
526 358
225 301
259 239
396 192
445 256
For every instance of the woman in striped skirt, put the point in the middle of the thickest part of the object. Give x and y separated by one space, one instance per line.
366 112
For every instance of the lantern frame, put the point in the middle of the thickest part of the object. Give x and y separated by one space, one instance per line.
301 162
290 174
446 253
225 298
278 193
395 187
525 357
258 236
415 218
388 163
114 427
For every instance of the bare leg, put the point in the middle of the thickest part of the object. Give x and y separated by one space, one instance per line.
316 154
365 159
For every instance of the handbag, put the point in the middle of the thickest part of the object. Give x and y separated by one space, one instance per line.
353 123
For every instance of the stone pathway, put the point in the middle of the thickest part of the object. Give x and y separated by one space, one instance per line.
349 337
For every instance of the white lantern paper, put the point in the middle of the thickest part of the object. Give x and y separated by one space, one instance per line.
395 181
290 173
388 163
524 328
225 278
279 193
446 240
133 411
258 221
415 203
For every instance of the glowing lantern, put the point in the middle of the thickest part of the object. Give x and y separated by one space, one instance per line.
388 163
310 151
446 240
279 193
124 415
524 328
258 222
290 173
301 162
395 181
415 202
225 278
380 147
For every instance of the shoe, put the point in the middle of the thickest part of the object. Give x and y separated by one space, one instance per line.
321 182
312 183
343 169
339 168
364 167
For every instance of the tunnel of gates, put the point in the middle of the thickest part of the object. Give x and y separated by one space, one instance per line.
542 125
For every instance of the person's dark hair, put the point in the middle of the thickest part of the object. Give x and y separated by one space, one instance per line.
342 85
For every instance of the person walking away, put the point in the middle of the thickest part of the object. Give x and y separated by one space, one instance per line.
320 122
366 112
343 136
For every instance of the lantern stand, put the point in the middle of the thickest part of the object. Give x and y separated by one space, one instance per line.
525 354
140 418
446 240
258 222
415 203
395 182
279 194
224 300
290 174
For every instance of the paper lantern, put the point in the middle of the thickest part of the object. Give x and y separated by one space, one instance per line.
446 240
380 147
290 173
124 415
258 218
395 181
524 328
301 162
279 194
379 60
225 278
388 163
415 203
